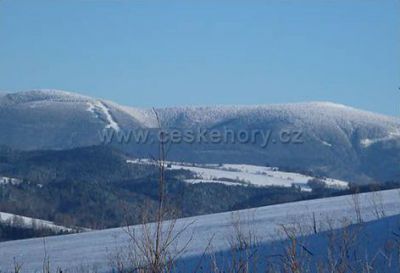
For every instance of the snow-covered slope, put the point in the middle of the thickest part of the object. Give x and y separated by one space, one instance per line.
309 113
353 247
28 222
337 141
242 174
93 248
53 119
255 175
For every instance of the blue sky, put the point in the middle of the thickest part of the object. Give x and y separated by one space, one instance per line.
165 53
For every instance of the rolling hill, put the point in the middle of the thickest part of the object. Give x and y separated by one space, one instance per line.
93 249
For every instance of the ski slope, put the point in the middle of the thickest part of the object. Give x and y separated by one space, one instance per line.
99 106
94 248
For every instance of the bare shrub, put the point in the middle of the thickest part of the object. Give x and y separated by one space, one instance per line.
154 247
340 248
46 259
296 255
355 198
377 204
244 245
16 266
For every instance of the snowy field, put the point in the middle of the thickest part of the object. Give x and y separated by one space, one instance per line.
242 174
93 248
28 222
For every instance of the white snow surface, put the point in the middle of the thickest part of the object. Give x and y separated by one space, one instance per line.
244 174
93 248
51 95
309 112
28 221
100 106
254 175
391 136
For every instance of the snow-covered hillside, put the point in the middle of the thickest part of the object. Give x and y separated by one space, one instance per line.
242 174
28 222
93 248
304 114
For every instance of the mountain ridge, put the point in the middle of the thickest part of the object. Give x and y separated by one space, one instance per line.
339 141
68 96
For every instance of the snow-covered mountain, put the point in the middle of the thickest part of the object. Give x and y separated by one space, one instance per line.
337 141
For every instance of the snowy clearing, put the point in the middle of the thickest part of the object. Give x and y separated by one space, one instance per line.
242 174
